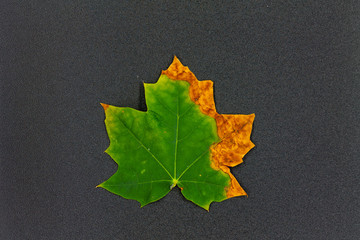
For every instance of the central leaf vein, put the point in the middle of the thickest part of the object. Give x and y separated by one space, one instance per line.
177 133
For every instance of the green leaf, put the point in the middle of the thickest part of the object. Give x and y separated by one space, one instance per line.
166 146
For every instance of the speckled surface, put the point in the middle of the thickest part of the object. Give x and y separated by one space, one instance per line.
296 66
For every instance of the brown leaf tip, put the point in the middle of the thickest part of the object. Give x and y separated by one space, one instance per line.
177 71
105 106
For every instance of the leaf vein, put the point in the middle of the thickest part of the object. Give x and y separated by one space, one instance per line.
165 106
197 125
193 181
141 143
197 159
177 132
149 182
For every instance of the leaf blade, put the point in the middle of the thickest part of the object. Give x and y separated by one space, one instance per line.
180 140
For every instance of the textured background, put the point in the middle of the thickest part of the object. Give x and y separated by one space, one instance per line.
296 66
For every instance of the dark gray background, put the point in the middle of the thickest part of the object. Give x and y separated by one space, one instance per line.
295 65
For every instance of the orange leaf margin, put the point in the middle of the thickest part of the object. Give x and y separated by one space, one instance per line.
233 130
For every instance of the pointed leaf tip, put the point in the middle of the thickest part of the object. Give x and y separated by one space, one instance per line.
105 106
176 60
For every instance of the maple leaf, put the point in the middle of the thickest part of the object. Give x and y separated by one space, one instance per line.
180 140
